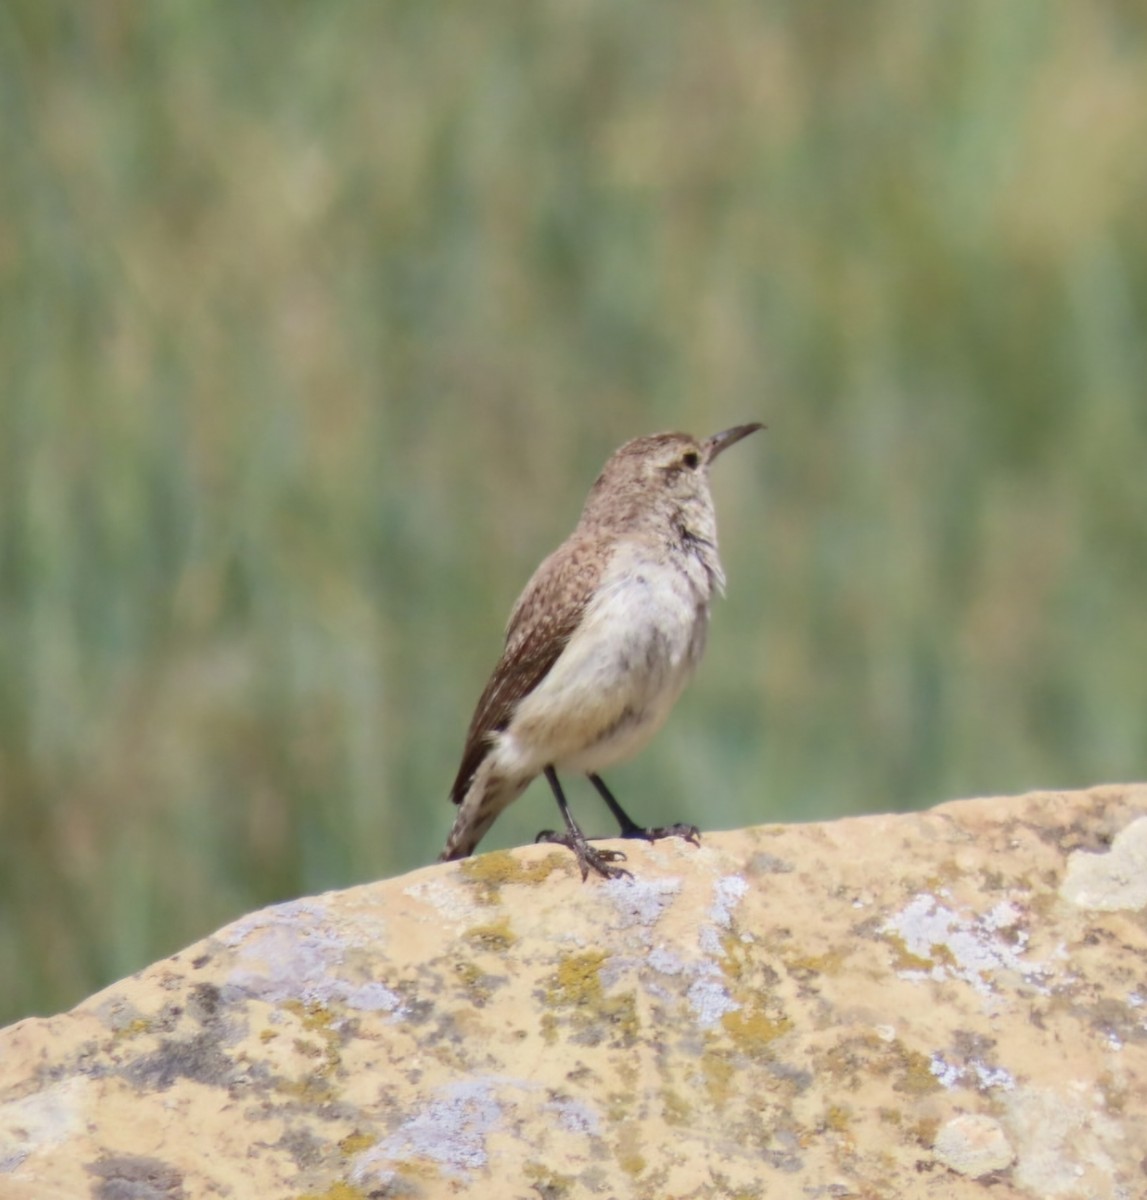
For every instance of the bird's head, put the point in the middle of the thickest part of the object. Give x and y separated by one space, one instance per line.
663 467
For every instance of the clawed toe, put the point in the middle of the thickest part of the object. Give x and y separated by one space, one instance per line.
600 860
690 833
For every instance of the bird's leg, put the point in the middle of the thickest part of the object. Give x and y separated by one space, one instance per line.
587 856
631 829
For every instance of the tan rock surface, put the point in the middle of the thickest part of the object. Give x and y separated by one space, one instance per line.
944 1004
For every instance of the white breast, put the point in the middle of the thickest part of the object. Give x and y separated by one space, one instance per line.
621 673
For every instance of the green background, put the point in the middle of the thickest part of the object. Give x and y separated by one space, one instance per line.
318 320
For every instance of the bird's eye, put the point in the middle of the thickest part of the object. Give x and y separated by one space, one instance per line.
691 459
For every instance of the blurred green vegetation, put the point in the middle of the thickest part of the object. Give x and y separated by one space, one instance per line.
317 321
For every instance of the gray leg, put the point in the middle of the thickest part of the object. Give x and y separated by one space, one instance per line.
630 828
587 856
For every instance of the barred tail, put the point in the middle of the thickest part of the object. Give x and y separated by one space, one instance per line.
487 795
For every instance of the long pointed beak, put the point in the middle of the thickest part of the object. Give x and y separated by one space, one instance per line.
722 441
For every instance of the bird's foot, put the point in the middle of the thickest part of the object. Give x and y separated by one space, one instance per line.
689 832
602 861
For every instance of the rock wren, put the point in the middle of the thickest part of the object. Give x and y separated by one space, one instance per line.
601 643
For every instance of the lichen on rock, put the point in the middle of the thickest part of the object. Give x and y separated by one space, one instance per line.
917 1005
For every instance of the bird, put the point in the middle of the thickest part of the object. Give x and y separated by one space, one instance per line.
600 644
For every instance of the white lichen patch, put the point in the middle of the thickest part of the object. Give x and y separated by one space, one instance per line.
976 1074
1112 881
451 1131
40 1121
701 1031
707 996
311 915
710 1000
640 902
574 1116
308 912
728 892
448 897
372 997
968 947
949 1074
666 961
297 952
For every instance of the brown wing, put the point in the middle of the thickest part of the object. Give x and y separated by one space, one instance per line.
543 620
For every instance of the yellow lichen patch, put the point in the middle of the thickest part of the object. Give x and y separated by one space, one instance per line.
1115 1095
717 1067
850 1056
916 1077
837 1118
134 1028
496 937
674 1108
732 957
628 1150
547 1183
804 965
313 1016
948 871
632 1164
337 1191
942 954
475 981
354 1142
904 959
752 1029
619 1014
318 1019
311 1090
618 1106
1041 904
868 1055
576 985
491 872
577 981
751 979
626 1069
625 1020
724 1188
415 1169
467 972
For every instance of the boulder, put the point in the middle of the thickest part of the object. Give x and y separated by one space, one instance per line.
949 1003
